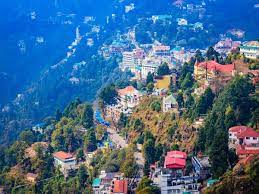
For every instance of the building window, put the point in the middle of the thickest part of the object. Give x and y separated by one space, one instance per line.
247 137
254 138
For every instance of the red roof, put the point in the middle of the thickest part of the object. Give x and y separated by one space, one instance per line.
174 163
177 154
249 132
213 65
127 90
62 155
238 129
242 150
120 186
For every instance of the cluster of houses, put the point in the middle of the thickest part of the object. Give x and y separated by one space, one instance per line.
244 140
173 178
142 61
110 183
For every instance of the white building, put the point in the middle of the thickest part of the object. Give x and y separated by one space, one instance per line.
182 22
149 66
129 97
65 161
250 49
128 61
161 50
170 104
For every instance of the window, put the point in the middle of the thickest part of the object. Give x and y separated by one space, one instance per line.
254 138
247 137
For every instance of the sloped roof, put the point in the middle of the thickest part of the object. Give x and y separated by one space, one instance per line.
174 163
177 154
170 99
213 65
62 155
238 129
249 132
120 186
127 91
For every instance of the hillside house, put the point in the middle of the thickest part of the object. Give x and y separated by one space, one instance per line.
213 74
119 187
250 49
65 161
170 104
245 140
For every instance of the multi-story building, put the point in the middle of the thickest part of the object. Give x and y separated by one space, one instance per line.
213 74
161 50
226 45
149 65
128 61
66 162
250 49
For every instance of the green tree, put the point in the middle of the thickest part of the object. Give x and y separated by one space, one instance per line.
149 151
150 87
146 187
219 154
188 81
108 95
27 136
150 78
211 54
180 99
80 156
90 140
163 70
230 118
82 176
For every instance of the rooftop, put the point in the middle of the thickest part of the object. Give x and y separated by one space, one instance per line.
177 154
213 65
238 129
249 132
127 91
96 182
62 155
120 186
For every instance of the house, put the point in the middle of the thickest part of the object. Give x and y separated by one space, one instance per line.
149 65
38 128
175 161
213 74
97 186
201 166
233 131
161 50
65 161
162 18
31 177
245 140
119 187
225 46
170 104
250 49
182 22
128 98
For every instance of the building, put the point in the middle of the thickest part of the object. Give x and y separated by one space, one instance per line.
65 161
162 18
213 74
119 187
161 50
149 66
233 131
225 46
201 166
170 104
129 97
128 61
182 22
250 49
39 128
176 162
245 140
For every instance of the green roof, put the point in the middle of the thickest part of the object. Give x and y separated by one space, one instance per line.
96 182
212 181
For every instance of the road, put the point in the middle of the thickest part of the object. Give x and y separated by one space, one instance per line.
121 142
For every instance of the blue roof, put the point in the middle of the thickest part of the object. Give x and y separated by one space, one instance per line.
96 182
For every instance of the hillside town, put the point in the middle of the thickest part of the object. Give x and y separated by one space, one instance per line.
178 120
